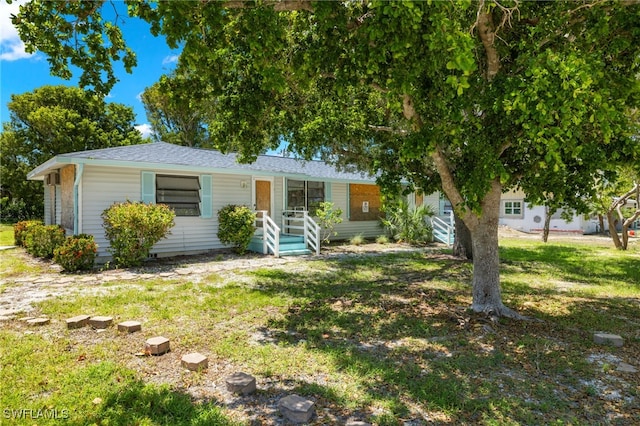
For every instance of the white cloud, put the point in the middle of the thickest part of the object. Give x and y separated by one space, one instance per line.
11 47
170 59
145 129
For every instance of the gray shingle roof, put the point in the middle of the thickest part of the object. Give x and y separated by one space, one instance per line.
159 154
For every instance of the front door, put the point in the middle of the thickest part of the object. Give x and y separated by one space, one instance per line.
263 195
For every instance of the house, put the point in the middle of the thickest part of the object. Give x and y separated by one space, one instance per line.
196 182
517 214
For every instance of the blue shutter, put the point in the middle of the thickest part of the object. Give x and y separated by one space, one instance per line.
327 191
206 197
148 187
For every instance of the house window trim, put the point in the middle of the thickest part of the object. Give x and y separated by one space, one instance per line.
325 192
512 207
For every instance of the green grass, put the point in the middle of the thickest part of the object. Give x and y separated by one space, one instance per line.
386 338
6 235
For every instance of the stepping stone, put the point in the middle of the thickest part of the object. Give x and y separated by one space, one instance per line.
623 367
241 383
77 321
157 345
608 339
130 326
195 362
354 422
38 321
296 409
100 322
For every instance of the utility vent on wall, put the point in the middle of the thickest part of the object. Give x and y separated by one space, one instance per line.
53 179
537 219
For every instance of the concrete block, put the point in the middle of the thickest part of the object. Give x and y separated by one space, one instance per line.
77 321
100 322
157 345
626 368
241 383
608 339
195 362
296 409
355 422
38 321
130 326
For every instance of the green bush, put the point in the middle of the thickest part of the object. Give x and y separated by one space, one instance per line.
77 253
328 217
12 211
41 240
133 228
236 226
408 224
21 228
357 240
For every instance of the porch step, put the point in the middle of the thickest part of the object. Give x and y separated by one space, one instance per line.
290 245
442 237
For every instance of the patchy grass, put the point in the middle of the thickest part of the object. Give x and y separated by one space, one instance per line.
6 235
384 338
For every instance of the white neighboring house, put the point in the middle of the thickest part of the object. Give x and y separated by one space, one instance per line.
517 214
197 183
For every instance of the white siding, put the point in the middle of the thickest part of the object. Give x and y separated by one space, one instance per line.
58 204
103 186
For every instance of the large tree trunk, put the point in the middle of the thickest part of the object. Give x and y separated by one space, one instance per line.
601 221
462 246
613 232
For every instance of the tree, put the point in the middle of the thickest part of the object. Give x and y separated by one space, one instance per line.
470 97
173 112
54 120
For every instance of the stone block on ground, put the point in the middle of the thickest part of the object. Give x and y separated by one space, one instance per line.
38 321
77 321
100 322
296 408
130 326
608 339
356 422
195 362
626 368
241 383
157 345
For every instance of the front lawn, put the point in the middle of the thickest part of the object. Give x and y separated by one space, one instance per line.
384 338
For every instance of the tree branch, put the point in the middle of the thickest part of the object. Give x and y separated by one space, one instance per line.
487 36
278 5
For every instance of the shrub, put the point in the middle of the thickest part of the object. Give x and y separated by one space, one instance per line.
236 226
16 210
408 224
133 228
21 228
41 240
77 253
328 217
357 240
382 239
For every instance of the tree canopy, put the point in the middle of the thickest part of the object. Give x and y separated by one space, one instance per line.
470 97
54 120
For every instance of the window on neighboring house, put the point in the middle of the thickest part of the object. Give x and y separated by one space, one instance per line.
304 195
512 208
181 193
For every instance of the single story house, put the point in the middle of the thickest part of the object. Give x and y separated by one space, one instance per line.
79 186
517 214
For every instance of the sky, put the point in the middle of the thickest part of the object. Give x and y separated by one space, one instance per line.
21 72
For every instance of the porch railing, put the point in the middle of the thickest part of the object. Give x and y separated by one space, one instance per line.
443 231
270 233
301 223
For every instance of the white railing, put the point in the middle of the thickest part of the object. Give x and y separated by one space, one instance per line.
301 223
270 233
443 231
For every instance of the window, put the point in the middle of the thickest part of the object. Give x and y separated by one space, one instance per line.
304 195
512 208
181 193
364 202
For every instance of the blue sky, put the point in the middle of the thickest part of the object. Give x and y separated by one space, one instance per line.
21 72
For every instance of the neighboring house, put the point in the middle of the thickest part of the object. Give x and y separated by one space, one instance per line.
517 214
197 183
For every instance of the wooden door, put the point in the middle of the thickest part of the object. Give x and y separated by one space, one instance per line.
263 195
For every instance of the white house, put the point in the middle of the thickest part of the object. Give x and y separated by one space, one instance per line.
517 214
79 186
